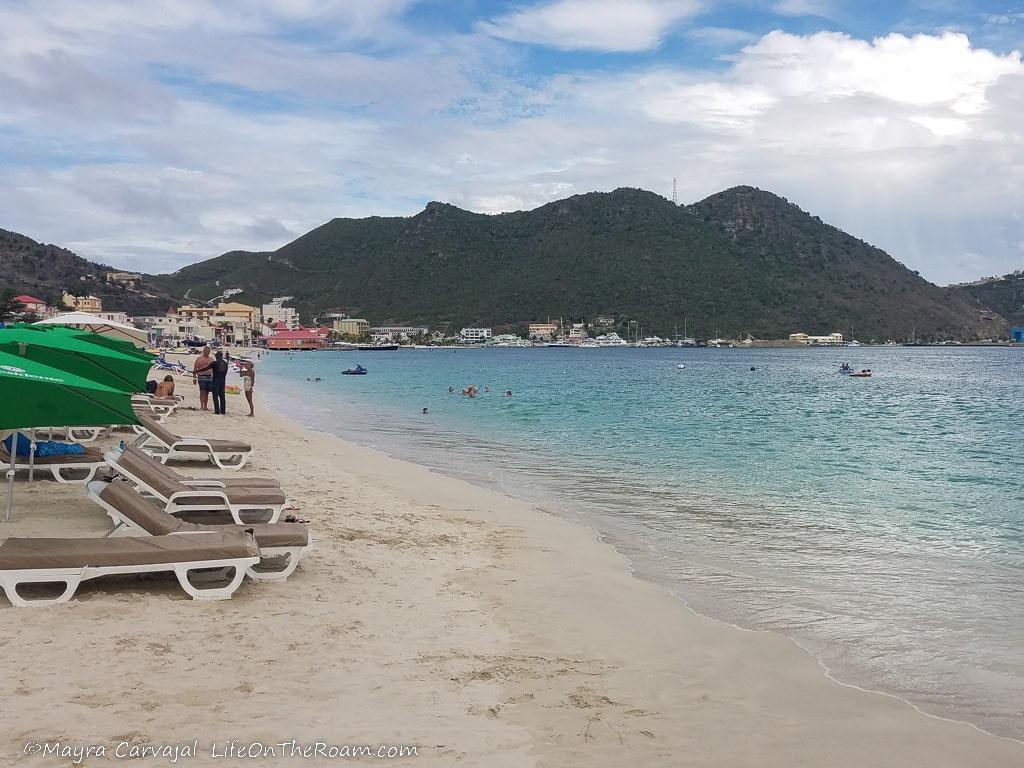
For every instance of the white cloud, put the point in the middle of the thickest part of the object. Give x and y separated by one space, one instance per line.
802 8
602 25
149 143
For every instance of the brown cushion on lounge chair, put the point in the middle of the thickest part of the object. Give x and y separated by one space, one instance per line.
30 554
150 518
250 497
229 482
140 511
267 534
152 426
169 439
218 446
143 468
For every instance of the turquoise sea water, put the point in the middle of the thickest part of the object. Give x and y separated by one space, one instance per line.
877 522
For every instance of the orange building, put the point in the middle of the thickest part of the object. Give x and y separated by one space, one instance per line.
300 339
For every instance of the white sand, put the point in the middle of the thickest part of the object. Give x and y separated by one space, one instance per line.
431 613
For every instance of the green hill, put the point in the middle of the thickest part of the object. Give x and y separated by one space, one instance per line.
1003 295
46 271
741 261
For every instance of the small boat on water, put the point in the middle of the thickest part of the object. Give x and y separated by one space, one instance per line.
862 374
378 348
357 371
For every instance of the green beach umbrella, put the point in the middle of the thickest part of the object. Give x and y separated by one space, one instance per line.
64 348
36 395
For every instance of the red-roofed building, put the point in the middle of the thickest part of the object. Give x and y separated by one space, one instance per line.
300 339
280 325
32 304
323 330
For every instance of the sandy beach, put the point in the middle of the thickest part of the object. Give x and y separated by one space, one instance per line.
433 614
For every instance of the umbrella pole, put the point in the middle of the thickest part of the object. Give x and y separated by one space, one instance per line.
32 455
10 475
10 494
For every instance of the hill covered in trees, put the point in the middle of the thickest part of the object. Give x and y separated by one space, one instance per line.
46 271
741 261
1003 295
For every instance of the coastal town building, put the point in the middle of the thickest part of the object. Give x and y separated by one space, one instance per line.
275 312
543 331
401 332
353 326
474 335
803 338
113 317
170 328
232 322
82 303
35 306
577 333
127 279
1017 335
300 339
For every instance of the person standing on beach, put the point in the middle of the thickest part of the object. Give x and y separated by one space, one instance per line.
203 371
220 379
248 382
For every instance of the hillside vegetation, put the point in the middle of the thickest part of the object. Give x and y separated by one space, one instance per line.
741 261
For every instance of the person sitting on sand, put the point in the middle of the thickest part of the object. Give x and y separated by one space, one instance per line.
166 387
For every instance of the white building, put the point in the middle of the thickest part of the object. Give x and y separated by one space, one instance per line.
403 332
171 328
276 312
114 317
474 335
803 338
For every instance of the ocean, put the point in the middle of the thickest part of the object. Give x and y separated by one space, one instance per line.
878 523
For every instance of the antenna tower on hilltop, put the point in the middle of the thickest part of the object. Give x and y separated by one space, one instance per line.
674 201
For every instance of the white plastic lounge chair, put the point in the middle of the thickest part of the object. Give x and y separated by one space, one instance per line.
257 503
221 481
71 468
73 434
157 405
166 446
72 561
281 545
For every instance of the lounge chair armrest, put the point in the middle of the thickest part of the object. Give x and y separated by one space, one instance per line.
200 441
203 483
198 493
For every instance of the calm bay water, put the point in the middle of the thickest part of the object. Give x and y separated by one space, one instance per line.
877 522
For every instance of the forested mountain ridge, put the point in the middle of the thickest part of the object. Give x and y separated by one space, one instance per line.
741 261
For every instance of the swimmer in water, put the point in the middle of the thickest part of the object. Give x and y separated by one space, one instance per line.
424 411
451 390
508 393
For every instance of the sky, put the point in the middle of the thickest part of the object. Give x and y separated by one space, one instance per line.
150 134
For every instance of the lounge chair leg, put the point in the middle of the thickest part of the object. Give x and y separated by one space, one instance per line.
57 472
10 587
114 530
293 562
211 593
236 461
